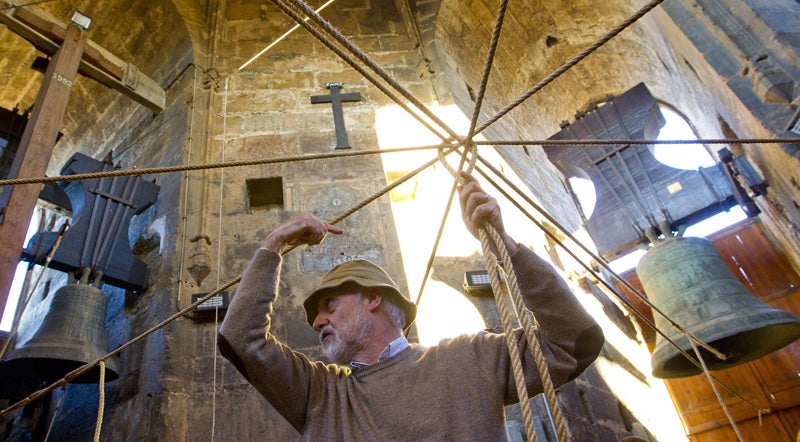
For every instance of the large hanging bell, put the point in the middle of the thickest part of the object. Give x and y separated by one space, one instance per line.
689 282
71 335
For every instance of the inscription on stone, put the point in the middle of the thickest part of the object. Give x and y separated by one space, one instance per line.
363 237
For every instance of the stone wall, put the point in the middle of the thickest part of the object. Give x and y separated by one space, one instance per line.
538 37
205 226
744 53
264 111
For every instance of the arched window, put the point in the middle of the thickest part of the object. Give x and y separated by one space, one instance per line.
680 156
580 186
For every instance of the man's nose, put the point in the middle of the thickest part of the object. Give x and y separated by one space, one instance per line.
320 321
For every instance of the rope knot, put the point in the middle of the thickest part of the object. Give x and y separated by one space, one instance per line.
470 156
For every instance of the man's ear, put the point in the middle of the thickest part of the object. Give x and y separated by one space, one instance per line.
374 300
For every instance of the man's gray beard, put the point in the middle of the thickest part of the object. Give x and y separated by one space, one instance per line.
346 343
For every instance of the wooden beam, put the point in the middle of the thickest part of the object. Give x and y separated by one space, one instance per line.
47 33
35 150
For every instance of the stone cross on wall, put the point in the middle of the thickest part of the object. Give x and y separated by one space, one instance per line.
336 99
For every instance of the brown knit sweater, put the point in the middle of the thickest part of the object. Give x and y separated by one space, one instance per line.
455 390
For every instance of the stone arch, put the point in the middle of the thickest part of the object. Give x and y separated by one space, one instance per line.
199 19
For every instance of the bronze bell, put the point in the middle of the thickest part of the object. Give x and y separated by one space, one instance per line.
689 282
71 335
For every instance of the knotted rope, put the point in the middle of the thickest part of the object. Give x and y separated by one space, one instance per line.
501 289
488 236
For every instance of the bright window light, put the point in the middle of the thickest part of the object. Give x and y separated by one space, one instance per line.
586 194
680 156
16 285
581 185
702 229
626 262
716 223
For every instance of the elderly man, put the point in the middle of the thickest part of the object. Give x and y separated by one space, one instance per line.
380 387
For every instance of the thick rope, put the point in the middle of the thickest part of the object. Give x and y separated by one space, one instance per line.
616 141
571 62
208 166
547 80
716 393
512 343
600 278
528 322
101 401
470 153
524 315
328 155
487 66
533 90
361 56
288 10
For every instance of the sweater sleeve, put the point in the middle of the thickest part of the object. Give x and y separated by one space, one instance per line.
283 376
569 337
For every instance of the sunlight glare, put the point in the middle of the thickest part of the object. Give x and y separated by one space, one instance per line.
680 156
16 285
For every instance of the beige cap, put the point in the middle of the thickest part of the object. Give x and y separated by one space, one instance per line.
365 274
